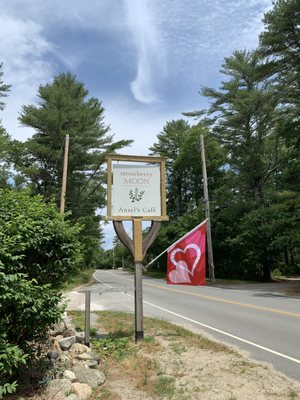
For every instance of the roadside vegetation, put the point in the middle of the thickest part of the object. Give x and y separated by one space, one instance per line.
252 139
175 363
81 277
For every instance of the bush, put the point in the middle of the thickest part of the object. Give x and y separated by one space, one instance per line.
35 240
38 251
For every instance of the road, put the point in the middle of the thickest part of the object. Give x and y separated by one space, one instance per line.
261 322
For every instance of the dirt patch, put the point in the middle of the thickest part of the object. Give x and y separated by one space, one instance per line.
180 365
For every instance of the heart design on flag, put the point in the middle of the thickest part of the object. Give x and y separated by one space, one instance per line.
182 264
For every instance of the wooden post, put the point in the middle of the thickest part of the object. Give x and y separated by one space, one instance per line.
87 338
64 177
207 213
113 258
138 272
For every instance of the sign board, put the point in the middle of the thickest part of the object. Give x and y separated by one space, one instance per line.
136 190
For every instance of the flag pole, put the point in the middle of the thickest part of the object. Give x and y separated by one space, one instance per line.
174 244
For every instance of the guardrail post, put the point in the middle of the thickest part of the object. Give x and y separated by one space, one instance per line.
87 339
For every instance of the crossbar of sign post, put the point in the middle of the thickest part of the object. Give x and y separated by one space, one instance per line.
87 292
106 290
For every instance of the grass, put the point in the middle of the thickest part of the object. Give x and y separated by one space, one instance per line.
159 367
135 362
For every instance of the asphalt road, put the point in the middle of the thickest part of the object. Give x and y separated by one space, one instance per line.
253 318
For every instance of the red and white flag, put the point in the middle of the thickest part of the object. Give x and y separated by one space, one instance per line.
187 258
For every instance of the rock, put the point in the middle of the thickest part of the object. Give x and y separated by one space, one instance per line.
67 320
90 355
64 358
57 347
75 361
72 397
91 364
67 342
58 388
82 390
92 377
100 335
58 328
52 355
69 375
85 356
70 330
78 348
80 337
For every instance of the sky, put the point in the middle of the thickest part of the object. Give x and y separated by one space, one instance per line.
146 60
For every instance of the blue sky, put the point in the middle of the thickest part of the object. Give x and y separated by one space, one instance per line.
146 60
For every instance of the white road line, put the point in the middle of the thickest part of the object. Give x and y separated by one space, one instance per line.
221 332
227 334
99 280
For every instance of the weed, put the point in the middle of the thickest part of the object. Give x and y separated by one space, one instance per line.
178 348
93 331
82 277
165 386
292 394
117 348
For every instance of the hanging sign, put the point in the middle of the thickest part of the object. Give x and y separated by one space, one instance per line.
136 189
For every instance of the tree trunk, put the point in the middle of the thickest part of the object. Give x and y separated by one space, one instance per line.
267 272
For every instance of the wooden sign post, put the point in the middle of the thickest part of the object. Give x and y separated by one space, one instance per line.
136 192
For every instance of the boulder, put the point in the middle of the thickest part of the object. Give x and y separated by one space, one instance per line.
58 328
52 355
69 375
91 364
58 388
67 342
89 376
81 390
90 355
70 330
80 337
78 348
72 397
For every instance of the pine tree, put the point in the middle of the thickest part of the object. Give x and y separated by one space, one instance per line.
65 108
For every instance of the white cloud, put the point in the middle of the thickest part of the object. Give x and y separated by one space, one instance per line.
24 50
151 63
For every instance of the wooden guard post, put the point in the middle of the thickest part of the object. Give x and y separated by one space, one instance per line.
138 248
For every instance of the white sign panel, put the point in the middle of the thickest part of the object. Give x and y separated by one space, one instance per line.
136 191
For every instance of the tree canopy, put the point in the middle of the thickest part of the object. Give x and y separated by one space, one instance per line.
65 108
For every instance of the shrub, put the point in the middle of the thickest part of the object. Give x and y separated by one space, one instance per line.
38 251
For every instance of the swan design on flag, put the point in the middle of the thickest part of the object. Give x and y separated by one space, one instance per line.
186 259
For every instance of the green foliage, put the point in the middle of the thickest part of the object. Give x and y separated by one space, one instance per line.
184 187
165 386
4 88
276 237
38 252
280 39
27 308
35 240
115 347
252 139
8 388
11 357
64 107
243 120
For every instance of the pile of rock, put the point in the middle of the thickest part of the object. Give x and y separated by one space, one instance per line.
78 364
